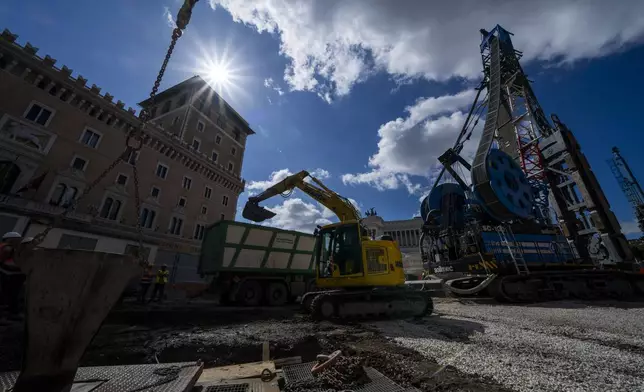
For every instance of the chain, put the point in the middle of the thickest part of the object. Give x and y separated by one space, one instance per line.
138 135
137 201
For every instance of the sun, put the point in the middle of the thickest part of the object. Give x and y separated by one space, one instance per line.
220 66
219 74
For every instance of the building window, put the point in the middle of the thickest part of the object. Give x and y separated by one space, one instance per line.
230 166
132 157
204 210
182 202
224 200
200 104
166 107
39 114
196 143
187 182
222 217
218 139
111 208
215 156
121 179
199 231
183 99
153 112
237 134
200 126
9 174
175 120
233 151
63 195
155 192
220 122
207 192
176 224
162 171
90 138
147 218
79 164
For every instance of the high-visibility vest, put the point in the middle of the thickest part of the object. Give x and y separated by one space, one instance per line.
162 277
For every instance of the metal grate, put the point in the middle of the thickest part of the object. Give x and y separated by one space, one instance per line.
228 388
128 377
378 383
299 372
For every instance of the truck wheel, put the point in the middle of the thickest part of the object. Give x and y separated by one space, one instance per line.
276 294
250 293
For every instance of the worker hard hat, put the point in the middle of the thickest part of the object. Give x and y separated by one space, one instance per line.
27 239
11 234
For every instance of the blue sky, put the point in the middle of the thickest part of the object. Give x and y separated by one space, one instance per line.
368 94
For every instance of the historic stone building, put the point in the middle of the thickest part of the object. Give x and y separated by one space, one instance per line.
406 233
57 135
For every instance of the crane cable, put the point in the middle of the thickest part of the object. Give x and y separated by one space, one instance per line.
133 142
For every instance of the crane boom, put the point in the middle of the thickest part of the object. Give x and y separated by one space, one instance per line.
340 205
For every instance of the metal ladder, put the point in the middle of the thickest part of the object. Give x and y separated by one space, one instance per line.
476 233
516 256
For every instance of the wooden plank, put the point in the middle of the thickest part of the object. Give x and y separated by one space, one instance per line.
235 372
266 351
287 361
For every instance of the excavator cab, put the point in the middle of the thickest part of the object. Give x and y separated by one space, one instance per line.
339 251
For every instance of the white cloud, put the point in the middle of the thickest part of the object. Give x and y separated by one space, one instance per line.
280 175
411 146
630 228
302 215
295 213
269 83
169 19
321 174
332 45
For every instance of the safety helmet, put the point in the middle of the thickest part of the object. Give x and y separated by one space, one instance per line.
27 239
11 234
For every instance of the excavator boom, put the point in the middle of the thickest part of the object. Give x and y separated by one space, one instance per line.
341 206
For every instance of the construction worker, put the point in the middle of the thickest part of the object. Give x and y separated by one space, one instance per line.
11 277
159 282
145 282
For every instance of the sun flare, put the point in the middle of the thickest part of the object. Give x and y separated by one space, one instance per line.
219 74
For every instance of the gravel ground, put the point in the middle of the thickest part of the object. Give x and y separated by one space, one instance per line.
559 346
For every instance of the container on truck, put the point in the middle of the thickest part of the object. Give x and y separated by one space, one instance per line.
253 265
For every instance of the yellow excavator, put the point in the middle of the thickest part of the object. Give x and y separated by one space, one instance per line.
356 276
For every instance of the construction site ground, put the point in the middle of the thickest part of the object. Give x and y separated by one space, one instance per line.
466 345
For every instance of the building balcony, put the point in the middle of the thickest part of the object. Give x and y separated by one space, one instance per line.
32 207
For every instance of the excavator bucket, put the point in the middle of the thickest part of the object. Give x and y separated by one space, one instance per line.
254 212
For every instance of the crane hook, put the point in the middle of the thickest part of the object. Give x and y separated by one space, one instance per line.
184 14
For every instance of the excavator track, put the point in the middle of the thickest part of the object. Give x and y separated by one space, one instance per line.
361 304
